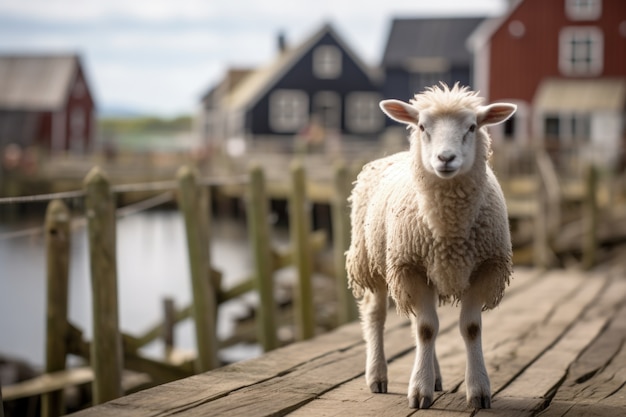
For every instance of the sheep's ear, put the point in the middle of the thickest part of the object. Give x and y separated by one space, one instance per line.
494 113
400 111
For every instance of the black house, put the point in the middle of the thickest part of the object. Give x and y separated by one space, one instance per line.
422 52
318 88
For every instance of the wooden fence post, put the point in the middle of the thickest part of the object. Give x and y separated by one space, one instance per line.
193 201
106 347
169 321
590 217
346 306
300 227
259 233
58 234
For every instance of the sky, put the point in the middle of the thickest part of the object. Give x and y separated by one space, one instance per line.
160 56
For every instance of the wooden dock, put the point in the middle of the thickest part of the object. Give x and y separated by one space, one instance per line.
556 346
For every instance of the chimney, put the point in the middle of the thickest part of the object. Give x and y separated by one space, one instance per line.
282 42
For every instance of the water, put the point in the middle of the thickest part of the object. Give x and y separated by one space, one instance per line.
152 264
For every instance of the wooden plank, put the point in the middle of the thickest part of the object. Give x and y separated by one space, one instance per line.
451 353
323 376
56 381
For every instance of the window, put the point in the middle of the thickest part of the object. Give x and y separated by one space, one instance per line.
362 112
581 51
327 62
289 110
552 126
583 9
509 129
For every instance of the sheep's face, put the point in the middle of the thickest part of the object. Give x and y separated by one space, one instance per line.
448 142
447 123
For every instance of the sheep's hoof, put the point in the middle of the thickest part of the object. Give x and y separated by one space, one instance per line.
379 387
420 402
477 402
438 385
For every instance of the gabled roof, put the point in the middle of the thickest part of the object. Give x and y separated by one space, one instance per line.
35 82
486 29
255 85
429 38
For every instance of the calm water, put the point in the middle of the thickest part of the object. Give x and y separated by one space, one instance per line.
152 264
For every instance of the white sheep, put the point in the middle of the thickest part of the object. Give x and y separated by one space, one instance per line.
431 223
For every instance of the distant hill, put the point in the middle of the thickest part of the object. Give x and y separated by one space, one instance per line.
119 112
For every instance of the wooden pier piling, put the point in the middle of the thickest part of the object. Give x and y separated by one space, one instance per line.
300 227
346 307
193 201
106 347
58 238
259 234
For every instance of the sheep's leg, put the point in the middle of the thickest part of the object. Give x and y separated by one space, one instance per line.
476 378
425 377
438 380
373 308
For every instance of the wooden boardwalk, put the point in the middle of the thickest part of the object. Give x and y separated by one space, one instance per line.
556 346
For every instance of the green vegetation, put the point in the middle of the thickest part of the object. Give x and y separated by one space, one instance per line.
138 125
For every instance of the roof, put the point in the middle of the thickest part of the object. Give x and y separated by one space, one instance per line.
560 95
252 88
431 38
487 28
35 82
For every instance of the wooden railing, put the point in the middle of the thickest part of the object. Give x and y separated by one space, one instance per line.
111 352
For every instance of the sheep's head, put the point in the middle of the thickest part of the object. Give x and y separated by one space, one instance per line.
447 123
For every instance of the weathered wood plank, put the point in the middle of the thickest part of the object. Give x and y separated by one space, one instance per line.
451 353
530 341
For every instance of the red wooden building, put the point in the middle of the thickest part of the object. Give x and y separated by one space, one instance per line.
563 62
45 101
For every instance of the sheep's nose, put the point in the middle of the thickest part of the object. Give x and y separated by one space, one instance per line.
446 157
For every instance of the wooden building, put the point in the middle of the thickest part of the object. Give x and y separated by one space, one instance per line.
422 52
317 89
563 62
45 101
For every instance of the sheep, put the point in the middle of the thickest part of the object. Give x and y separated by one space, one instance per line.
431 223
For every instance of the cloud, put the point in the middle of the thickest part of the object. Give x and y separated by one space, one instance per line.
163 54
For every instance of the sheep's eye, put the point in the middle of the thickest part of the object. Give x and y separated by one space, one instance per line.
421 127
472 128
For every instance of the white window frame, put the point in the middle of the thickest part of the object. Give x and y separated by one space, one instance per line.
583 9
581 51
362 112
327 62
288 110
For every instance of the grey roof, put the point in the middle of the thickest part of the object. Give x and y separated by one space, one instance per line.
440 38
35 82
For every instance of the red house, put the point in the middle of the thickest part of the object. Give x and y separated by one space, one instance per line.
45 101
563 62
